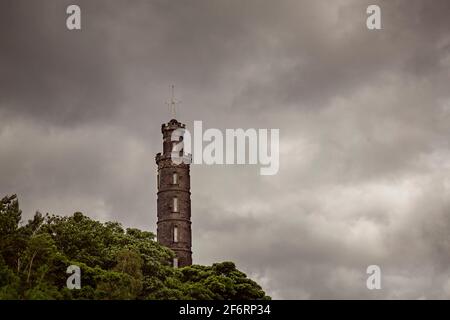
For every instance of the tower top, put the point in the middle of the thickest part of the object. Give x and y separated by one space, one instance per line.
172 103
172 125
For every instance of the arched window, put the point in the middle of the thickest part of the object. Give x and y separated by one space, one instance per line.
175 262
175 204
175 234
175 178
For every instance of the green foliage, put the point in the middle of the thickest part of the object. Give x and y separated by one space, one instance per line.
115 263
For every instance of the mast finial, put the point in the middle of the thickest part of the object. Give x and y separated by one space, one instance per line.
173 102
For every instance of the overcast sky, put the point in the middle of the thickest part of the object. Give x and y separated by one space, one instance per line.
363 116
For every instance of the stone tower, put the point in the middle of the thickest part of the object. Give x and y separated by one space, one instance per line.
174 199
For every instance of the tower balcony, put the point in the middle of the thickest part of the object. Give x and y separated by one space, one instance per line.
183 158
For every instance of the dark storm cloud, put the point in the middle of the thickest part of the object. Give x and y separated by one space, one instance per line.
50 74
363 118
319 62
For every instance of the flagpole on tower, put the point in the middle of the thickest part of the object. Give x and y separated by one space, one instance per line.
173 102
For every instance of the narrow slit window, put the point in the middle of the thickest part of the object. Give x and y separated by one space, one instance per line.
175 234
175 204
175 178
175 262
157 181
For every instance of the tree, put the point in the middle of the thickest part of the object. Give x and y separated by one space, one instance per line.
38 256
10 238
9 282
116 263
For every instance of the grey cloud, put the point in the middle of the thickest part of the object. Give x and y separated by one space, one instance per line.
363 119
